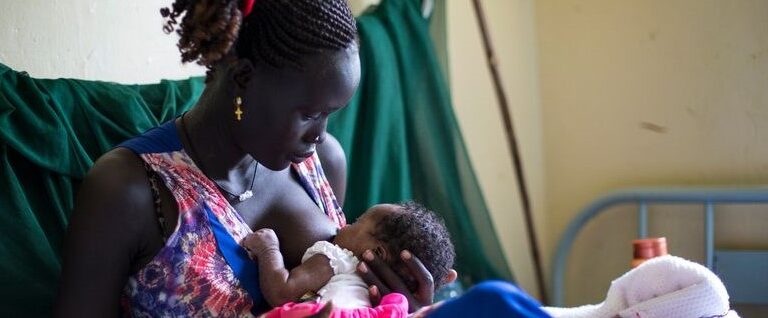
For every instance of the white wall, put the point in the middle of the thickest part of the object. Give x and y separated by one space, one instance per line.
119 41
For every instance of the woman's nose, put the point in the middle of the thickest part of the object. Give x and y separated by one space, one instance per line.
320 138
312 138
317 134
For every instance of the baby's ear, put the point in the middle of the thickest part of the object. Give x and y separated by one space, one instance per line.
382 253
450 277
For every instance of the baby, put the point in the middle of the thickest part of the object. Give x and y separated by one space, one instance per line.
328 268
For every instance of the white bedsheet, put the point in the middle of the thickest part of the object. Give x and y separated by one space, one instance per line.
662 287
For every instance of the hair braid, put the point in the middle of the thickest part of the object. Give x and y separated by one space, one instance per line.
277 32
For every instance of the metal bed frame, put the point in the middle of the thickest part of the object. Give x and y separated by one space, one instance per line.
744 272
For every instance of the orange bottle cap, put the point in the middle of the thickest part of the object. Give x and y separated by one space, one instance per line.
650 247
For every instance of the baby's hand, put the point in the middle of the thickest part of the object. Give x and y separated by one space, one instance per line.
261 242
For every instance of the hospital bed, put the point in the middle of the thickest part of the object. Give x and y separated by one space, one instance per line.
744 272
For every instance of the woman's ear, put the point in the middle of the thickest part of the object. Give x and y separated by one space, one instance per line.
242 72
381 253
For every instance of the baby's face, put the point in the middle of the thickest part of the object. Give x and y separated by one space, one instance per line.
358 237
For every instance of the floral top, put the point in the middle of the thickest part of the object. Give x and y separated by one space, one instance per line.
202 271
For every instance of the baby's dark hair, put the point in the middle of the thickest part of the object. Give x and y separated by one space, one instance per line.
277 32
423 233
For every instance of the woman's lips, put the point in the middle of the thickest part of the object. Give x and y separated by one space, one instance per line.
301 157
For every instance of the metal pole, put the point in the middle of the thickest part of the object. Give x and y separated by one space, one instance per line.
709 233
513 148
642 220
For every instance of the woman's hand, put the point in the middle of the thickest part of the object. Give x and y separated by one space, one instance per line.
383 280
260 242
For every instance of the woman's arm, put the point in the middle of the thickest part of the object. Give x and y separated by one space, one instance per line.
111 223
278 285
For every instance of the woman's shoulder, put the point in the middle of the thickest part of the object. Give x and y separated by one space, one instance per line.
109 232
119 168
117 185
331 154
334 163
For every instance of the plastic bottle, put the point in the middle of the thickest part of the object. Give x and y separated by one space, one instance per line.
645 249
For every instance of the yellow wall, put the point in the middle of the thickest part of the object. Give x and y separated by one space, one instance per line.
643 93
612 94
512 28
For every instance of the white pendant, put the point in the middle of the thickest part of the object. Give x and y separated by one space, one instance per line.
245 195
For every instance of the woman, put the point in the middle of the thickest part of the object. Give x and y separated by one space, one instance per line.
158 218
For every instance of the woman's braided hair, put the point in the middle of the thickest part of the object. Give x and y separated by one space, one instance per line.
277 32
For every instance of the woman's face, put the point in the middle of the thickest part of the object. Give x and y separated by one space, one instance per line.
286 110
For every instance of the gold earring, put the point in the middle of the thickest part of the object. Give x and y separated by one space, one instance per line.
238 110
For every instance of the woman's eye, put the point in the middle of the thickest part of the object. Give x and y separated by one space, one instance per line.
314 116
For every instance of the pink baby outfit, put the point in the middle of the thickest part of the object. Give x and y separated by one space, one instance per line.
392 306
346 290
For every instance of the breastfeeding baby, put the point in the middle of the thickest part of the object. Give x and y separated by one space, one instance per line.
327 271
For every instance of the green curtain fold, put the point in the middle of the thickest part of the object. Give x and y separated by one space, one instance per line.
399 132
403 141
51 132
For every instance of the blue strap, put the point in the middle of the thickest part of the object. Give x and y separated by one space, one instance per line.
245 269
163 138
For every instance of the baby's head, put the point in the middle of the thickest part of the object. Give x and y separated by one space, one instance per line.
387 229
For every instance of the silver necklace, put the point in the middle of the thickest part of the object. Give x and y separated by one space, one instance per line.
245 195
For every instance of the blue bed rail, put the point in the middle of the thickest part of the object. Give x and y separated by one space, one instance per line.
733 262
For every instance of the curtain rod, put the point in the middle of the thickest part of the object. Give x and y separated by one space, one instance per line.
513 148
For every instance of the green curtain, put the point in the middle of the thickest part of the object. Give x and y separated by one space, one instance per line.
403 142
51 131
399 133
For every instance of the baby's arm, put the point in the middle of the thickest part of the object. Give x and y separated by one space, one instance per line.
278 285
